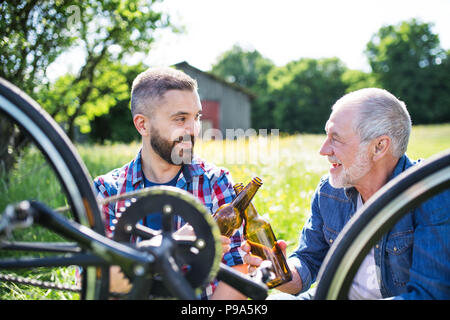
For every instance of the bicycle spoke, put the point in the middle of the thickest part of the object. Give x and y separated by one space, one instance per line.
144 232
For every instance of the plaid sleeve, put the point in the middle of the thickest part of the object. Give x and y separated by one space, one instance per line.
103 190
223 193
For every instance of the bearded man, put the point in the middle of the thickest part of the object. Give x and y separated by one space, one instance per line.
166 112
367 135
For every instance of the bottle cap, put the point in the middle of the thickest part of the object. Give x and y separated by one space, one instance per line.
238 187
257 181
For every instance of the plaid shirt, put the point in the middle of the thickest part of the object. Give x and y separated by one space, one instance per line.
213 186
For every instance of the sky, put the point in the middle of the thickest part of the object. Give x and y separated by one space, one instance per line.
287 30
281 30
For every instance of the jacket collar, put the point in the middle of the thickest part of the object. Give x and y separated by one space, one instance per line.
403 163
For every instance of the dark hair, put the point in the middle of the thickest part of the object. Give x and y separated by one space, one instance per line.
151 85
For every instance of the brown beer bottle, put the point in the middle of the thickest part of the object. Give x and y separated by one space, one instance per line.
229 216
263 243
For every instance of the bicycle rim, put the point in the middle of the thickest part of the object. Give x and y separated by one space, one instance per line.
60 156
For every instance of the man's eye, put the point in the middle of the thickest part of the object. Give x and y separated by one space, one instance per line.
334 140
180 119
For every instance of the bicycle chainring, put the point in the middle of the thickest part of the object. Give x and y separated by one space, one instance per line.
197 253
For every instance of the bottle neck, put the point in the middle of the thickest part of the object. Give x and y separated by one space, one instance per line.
243 199
251 212
245 195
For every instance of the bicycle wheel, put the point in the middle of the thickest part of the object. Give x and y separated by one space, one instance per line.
38 161
401 195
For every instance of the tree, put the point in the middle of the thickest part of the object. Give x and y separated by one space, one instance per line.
109 86
304 92
249 69
34 33
117 124
32 36
105 30
408 61
357 79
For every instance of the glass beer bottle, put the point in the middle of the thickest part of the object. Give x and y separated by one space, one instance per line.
229 216
263 243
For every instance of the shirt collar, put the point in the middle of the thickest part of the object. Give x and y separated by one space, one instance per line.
136 170
187 172
403 163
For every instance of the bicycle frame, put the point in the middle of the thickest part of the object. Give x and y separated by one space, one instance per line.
91 249
102 251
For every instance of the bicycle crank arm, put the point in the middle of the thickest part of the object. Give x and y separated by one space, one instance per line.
243 283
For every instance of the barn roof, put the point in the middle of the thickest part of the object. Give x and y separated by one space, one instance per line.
214 77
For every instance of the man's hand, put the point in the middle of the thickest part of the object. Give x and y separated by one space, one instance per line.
255 261
118 282
225 244
293 287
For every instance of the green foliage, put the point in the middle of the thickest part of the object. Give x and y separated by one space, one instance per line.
108 88
356 79
117 125
32 36
285 196
408 61
304 91
249 69
105 30
246 68
296 97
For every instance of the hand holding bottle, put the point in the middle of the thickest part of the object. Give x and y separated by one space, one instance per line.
254 261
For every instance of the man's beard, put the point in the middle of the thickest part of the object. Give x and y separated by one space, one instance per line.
166 149
349 177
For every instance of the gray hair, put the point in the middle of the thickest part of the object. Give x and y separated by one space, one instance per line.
151 85
380 113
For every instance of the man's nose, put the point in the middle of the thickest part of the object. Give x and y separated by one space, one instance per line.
192 128
325 149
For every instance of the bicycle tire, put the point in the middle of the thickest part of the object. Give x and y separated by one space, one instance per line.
67 166
380 213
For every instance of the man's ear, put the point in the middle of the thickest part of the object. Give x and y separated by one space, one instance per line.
142 124
381 147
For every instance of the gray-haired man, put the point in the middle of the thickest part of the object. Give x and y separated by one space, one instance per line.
367 136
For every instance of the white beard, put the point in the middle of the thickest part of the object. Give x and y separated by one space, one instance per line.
348 177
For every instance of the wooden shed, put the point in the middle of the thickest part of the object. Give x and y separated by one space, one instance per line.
225 105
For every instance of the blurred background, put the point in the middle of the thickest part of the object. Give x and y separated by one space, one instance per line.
290 59
260 65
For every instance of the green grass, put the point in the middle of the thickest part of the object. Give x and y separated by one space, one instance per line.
290 168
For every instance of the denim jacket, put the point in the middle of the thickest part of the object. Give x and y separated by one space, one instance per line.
412 259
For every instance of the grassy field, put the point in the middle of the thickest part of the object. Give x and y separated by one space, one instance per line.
290 167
